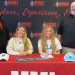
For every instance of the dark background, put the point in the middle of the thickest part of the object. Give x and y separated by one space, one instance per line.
34 14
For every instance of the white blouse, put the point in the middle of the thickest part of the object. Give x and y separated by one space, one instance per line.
16 45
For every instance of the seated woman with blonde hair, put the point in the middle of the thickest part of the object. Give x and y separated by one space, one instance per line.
20 44
48 43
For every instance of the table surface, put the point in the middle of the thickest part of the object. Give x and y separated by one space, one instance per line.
57 58
57 65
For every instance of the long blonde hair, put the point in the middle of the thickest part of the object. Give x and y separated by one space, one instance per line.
43 38
24 38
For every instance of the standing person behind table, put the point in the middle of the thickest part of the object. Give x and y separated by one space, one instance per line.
66 31
4 34
48 43
20 44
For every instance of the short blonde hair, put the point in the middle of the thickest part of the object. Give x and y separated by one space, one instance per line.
73 3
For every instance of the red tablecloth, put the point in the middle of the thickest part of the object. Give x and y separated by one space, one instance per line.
57 65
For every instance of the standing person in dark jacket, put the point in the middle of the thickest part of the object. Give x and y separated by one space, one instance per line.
66 31
4 35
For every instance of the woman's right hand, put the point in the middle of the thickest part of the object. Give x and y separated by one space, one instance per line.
23 53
